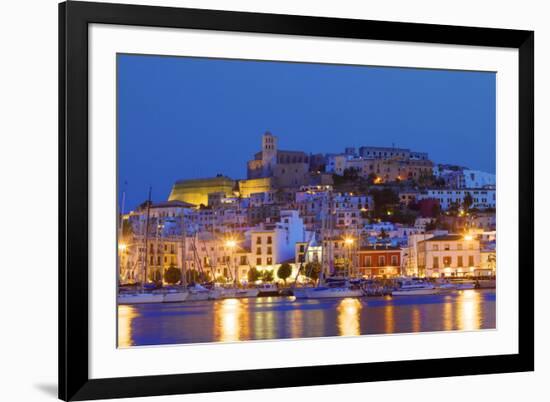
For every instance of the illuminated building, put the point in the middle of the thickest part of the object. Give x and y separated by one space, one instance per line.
449 256
195 191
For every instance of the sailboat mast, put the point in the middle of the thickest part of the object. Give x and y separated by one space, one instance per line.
120 222
147 236
183 279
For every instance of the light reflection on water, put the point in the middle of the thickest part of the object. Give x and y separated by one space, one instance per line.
126 315
349 317
233 320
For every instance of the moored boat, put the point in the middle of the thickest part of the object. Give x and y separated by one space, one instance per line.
414 287
140 297
229 293
326 292
175 295
267 289
200 293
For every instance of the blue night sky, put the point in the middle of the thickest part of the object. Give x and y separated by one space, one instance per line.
193 117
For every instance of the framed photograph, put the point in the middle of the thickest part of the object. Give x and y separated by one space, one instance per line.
259 201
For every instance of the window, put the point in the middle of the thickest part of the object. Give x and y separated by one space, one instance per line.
269 240
243 260
258 261
460 262
436 247
447 247
258 250
302 248
471 260
447 261
368 261
459 246
269 261
436 262
165 247
258 240
471 246
269 250
381 260
394 260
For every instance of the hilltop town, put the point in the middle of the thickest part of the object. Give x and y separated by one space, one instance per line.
371 212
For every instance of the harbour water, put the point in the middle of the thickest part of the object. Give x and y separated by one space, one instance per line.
265 318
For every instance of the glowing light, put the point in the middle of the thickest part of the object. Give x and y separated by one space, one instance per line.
349 241
122 247
126 315
231 243
349 316
468 237
378 180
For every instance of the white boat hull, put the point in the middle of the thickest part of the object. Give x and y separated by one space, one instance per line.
300 293
198 296
415 292
175 297
239 293
140 298
330 293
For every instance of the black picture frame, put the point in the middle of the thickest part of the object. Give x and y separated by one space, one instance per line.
74 381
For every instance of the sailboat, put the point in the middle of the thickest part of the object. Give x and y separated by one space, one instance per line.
234 291
331 288
143 295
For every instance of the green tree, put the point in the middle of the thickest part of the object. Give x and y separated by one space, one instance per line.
384 199
172 275
253 274
312 270
284 271
467 202
267 276
192 275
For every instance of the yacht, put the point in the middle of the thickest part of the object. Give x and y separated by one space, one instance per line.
324 292
300 292
230 293
140 297
450 286
175 295
199 293
267 289
413 287
334 289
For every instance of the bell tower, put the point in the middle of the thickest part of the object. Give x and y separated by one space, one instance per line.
269 152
